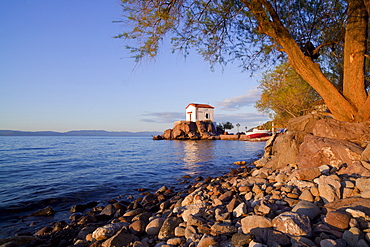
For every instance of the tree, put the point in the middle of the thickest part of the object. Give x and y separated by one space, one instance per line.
225 126
310 34
285 95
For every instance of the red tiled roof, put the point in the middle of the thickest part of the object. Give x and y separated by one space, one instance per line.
200 106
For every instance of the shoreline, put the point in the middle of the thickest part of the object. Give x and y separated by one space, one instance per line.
321 198
245 207
173 162
32 236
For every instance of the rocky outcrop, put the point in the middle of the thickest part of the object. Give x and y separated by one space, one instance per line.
314 140
186 130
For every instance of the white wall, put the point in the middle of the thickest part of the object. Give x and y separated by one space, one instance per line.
199 114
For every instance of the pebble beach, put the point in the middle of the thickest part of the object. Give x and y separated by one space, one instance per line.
250 206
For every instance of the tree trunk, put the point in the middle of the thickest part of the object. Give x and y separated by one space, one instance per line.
341 108
354 53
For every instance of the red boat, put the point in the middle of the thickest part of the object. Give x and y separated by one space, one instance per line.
256 133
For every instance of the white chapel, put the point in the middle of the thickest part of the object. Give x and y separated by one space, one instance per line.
199 112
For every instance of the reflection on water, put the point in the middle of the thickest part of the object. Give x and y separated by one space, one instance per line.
197 154
206 158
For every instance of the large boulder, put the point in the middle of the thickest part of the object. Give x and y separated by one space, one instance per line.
206 129
351 205
186 130
315 140
304 124
167 134
284 150
335 129
317 151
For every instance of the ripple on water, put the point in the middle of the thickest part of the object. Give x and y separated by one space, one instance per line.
62 171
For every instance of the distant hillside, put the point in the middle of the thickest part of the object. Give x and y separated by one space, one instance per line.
77 133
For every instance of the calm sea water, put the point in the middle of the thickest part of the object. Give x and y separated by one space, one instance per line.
63 171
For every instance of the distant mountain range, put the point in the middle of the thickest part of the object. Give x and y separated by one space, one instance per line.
77 133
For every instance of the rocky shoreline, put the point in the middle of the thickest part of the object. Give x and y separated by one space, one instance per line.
312 188
200 130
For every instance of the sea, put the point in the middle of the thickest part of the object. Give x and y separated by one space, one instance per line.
62 171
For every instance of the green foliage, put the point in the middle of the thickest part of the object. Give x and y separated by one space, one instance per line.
285 95
226 30
311 34
225 126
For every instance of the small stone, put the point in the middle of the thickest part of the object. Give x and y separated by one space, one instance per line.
291 201
347 192
109 210
362 243
107 231
328 243
240 239
352 236
329 188
137 227
85 231
174 241
82 207
240 163
162 189
195 220
262 209
301 241
338 220
306 195
293 224
365 194
207 241
190 232
274 237
292 195
255 244
232 204
180 231
281 178
306 208
227 196
134 212
256 189
154 226
250 222
48 211
168 228
240 210
243 189
248 196
324 169
314 191
223 228
43 231
363 184
192 211
121 238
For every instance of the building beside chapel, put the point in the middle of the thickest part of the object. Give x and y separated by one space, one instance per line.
199 112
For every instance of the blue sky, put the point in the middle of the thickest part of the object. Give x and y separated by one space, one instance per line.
61 70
